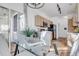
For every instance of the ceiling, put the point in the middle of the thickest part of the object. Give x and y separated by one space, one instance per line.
3 11
51 9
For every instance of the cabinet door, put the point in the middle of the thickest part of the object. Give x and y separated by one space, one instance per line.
41 21
75 21
38 21
70 25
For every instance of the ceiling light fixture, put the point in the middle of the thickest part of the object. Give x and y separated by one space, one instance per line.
59 9
35 5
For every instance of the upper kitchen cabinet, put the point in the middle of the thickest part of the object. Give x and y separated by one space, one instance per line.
75 20
42 22
72 24
38 21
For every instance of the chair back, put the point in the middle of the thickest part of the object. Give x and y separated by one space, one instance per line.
46 36
75 47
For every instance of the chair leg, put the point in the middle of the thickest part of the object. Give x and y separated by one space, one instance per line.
16 50
56 51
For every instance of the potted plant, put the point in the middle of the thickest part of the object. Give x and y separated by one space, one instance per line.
28 32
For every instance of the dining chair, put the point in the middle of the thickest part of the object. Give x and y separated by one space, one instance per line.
75 47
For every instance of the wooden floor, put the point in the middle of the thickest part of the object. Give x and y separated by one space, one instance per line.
62 46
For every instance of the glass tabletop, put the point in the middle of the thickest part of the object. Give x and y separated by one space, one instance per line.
33 46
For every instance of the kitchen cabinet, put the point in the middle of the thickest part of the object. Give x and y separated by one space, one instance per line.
75 19
38 21
72 24
42 22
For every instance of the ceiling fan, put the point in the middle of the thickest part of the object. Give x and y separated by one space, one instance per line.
59 9
35 5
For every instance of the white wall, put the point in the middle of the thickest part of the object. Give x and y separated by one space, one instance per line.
14 6
31 13
62 23
59 20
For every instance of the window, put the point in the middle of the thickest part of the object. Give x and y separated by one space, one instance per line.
15 23
4 27
22 22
